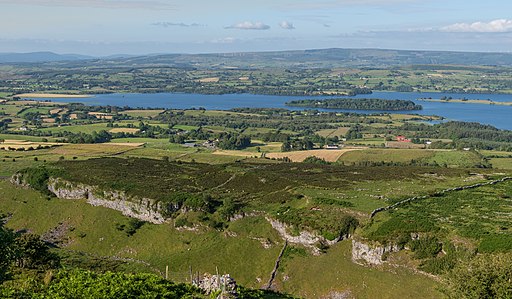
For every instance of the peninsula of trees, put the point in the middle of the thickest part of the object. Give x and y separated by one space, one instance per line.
358 104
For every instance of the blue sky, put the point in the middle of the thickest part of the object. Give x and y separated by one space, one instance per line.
105 27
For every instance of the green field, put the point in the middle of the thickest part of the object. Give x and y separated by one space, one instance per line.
11 110
85 128
501 163
142 113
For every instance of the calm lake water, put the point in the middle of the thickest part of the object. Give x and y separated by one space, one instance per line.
496 115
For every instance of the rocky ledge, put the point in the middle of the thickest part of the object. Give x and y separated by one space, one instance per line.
372 254
141 208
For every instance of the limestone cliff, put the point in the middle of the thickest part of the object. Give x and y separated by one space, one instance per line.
372 254
145 209
141 208
305 238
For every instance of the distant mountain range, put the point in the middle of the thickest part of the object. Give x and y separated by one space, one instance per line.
320 58
39 57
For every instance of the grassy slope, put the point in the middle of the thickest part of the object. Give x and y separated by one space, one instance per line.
237 251
335 272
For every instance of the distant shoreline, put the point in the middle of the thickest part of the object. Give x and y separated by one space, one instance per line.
50 95
488 102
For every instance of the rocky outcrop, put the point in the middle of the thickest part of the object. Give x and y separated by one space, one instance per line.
305 238
141 208
215 283
17 179
371 254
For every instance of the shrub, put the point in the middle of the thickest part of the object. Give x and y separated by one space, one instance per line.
425 247
485 276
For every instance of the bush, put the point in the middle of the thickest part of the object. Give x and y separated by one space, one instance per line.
7 252
315 160
425 247
37 178
348 225
33 253
333 202
131 227
486 276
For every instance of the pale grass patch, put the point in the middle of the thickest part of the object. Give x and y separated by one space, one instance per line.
326 154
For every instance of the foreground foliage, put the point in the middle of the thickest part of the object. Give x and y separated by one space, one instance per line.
486 276
87 284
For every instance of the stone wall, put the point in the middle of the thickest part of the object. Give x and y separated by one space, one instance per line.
440 193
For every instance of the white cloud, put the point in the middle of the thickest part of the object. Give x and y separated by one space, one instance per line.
249 26
286 25
171 24
500 25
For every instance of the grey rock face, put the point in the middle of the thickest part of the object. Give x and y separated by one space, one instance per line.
141 208
371 254
214 283
305 238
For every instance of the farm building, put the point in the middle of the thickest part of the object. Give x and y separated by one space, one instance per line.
401 138
332 146
190 144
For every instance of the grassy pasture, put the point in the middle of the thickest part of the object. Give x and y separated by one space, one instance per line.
386 155
335 272
26 145
333 132
40 110
214 113
327 155
11 110
85 128
124 130
501 163
185 127
235 153
24 137
143 113
265 146
455 158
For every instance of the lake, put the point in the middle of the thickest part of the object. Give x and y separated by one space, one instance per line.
496 115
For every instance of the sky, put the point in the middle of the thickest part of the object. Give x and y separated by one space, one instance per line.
108 27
